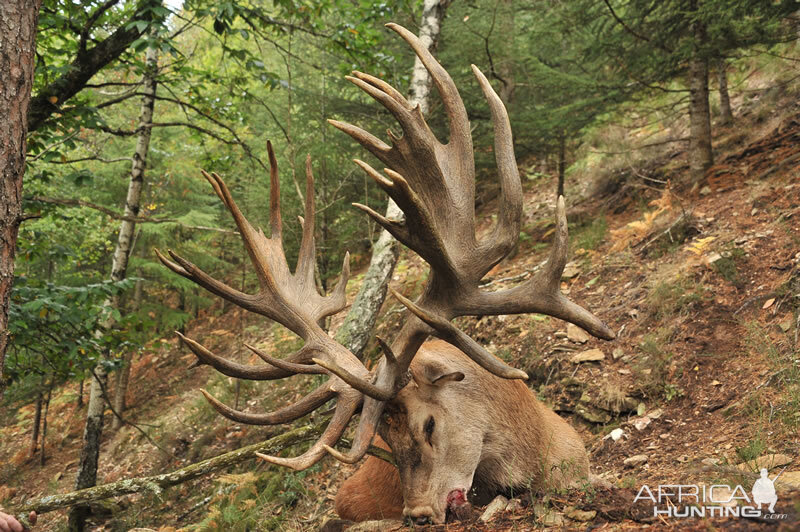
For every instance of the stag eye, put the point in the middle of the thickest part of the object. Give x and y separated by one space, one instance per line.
429 426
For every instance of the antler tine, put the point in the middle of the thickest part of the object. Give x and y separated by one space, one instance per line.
506 231
188 270
451 334
287 414
287 365
373 144
305 259
363 386
242 371
542 293
345 408
460 135
276 228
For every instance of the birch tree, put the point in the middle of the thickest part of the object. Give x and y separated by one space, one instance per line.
354 332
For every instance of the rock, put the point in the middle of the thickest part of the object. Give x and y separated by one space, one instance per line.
786 324
641 423
655 414
617 353
514 505
770 461
615 435
560 335
570 270
377 526
710 461
548 516
789 480
705 191
635 460
493 508
579 515
593 415
592 355
714 257
576 334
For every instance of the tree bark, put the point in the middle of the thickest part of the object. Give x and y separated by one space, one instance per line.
355 331
37 421
119 266
43 456
90 453
505 67
562 164
700 155
18 19
726 113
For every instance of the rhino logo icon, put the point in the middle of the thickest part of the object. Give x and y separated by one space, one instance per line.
764 491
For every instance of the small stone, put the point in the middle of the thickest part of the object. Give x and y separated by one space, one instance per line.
514 505
548 516
617 353
579 515
560 335
493 508
655 414
592 355
623 371
710 461
754 211
570 271
682 459
714 257
786 324
635 460
642 422
576 334
664 436
615 435
770 461
705 191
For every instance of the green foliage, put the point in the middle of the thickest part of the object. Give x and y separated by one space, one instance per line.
60 331
668 298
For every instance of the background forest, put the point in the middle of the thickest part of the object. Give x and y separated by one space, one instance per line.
641 113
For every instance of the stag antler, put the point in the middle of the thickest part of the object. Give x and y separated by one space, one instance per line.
434 185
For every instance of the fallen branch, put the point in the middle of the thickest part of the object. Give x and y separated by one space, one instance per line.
157 483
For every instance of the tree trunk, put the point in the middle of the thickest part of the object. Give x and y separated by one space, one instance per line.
700 156
37 421
506 52
562 164
80 392
43 456
726 113
18 19
123 250
90 453
355 331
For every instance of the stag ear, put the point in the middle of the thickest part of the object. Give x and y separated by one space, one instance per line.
435 373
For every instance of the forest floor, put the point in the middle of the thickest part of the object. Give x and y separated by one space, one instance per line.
702 386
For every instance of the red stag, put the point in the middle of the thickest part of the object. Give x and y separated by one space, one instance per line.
458 422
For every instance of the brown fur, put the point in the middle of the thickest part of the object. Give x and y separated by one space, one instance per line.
494 427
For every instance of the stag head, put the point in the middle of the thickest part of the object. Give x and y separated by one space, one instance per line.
434 185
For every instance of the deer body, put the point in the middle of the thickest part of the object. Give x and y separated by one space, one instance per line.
490 435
